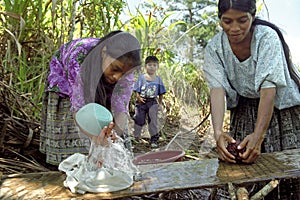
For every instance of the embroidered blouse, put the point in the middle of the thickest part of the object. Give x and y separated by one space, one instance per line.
64 77
265 68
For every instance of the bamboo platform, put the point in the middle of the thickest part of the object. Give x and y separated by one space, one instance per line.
161 177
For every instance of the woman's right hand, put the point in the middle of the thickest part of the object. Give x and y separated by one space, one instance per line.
106 132
102 140
222 140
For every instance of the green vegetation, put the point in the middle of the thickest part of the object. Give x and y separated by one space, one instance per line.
31 31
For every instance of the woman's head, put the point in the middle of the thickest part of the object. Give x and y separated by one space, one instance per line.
240 5
248 7
236 18
120 54
116 54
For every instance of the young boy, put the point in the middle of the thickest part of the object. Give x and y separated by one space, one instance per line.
148 87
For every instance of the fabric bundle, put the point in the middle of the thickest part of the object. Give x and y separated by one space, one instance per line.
106 169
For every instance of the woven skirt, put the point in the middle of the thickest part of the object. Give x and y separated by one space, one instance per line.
59 136
283 133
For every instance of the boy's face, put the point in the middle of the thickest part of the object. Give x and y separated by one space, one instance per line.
151 67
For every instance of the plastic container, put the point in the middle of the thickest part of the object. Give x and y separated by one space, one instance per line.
159 157
93 117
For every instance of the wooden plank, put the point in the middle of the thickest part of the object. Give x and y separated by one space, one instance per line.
162 177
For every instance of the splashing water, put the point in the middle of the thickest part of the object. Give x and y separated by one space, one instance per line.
112 156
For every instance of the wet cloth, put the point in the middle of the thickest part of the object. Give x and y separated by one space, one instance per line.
106 169
81 180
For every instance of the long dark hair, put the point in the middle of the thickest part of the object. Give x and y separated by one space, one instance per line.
119 45
250 6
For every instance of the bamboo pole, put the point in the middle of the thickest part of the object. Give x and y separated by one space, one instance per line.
242 194
231 191
265 190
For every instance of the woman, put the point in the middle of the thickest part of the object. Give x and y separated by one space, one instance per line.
83 71
249 63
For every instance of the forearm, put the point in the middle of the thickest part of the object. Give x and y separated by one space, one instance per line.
121 122
217 105
265 111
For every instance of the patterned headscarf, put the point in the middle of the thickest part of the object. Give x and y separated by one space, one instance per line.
242 5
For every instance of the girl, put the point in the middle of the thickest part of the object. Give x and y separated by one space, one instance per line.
87 70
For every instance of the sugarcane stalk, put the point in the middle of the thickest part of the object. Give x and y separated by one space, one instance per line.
265 190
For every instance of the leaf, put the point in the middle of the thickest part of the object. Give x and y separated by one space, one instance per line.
175 24
16 40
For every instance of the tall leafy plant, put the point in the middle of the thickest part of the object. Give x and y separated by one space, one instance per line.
31 31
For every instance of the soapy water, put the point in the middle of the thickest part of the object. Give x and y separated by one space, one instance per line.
114 156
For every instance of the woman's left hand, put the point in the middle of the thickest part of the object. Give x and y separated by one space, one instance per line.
253 141
253 147
106 132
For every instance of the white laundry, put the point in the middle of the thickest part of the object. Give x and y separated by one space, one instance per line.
116 173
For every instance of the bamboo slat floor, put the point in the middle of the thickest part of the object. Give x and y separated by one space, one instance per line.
161 177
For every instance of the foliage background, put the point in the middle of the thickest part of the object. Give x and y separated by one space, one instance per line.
31 31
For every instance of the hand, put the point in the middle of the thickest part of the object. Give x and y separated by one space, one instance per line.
141 100
253 147
222 141
106 132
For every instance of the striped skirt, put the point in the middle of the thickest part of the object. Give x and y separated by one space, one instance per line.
283 133
59 136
